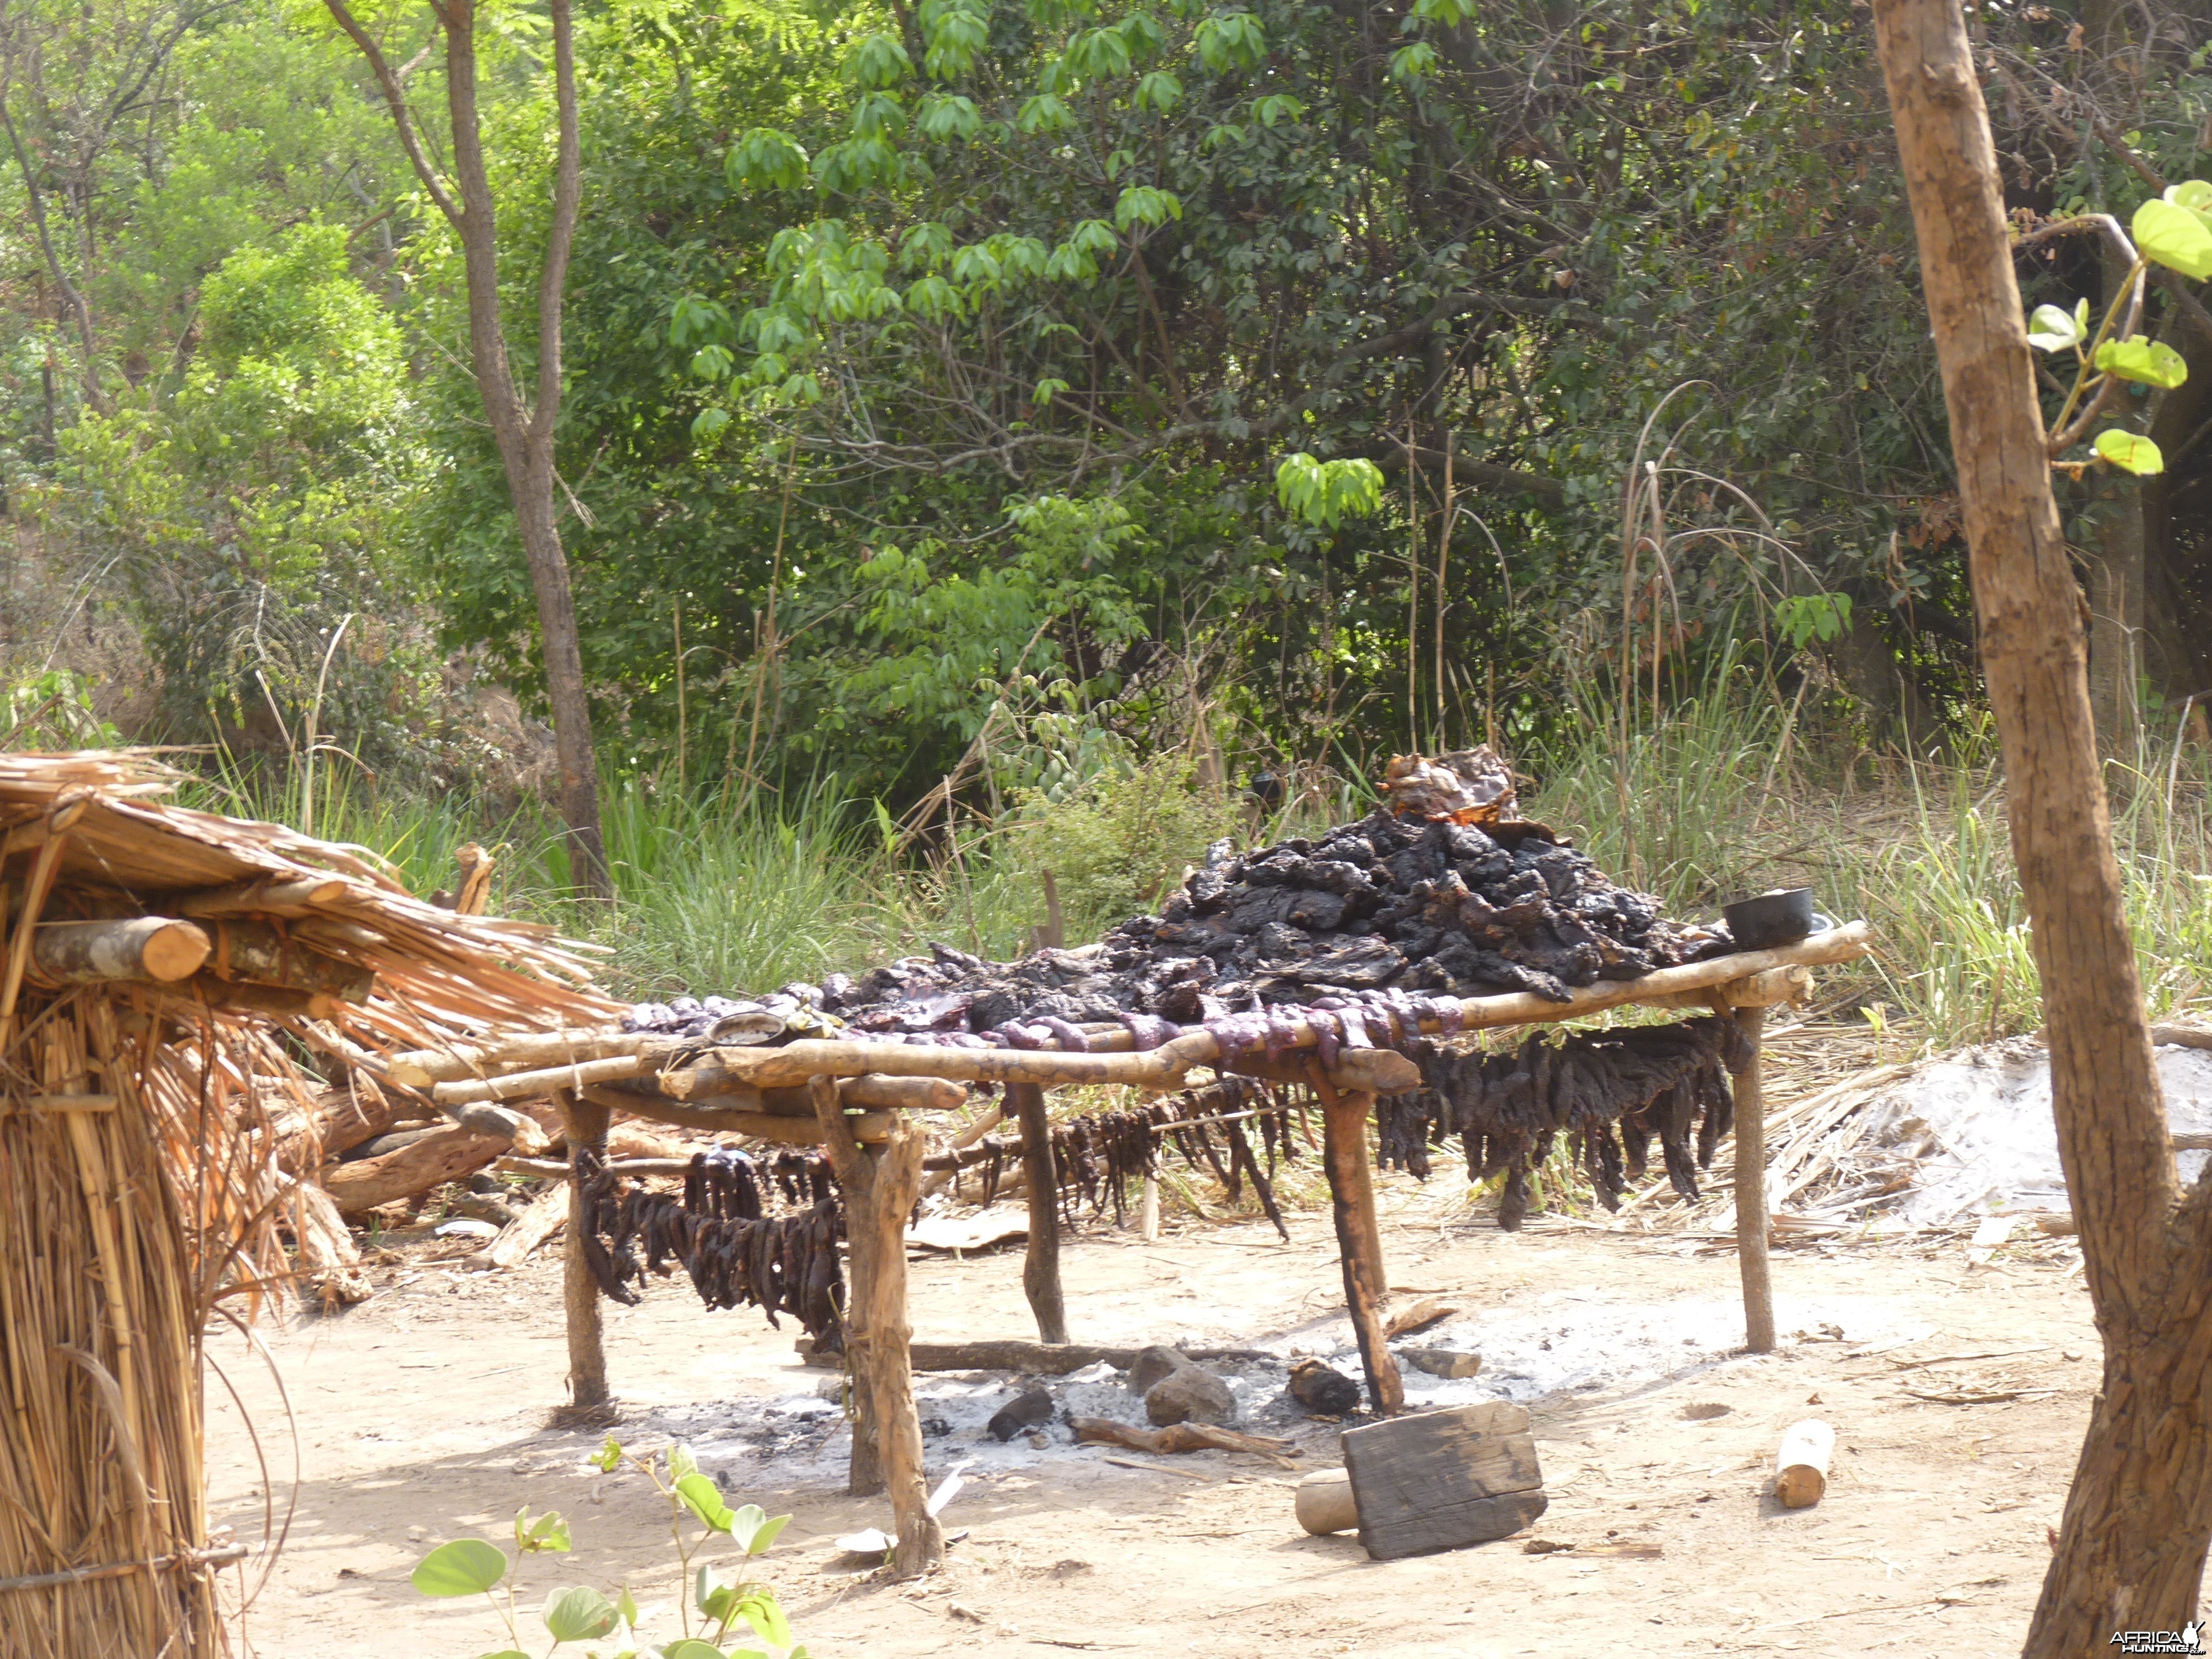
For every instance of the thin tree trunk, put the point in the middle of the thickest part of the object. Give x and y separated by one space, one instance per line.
2139 1516
523 433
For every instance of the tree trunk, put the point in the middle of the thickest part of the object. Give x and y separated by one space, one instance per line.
2140 1513
523 433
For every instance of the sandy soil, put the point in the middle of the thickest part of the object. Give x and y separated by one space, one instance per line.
425 1415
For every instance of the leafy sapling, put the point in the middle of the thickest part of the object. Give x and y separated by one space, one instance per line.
581 1614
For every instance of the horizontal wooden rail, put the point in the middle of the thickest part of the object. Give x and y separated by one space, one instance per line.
571 1060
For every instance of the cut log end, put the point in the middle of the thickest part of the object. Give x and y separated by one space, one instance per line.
1801 1466
142 948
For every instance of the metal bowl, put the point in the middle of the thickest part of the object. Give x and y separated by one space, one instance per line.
1781 917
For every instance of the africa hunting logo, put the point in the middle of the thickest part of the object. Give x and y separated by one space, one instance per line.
2189 1638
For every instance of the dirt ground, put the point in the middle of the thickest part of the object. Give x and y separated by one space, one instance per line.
425 1415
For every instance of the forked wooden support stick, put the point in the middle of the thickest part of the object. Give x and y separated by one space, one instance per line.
879 1186
1358 1237
1041 1263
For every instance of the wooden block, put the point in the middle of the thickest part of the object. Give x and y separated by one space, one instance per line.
1443 1480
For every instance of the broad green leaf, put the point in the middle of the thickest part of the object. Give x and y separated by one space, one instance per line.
2175 237
508 1653
626 1605
752 1530
681 1462
467 1566
580 1613
2195 194
2050 329
2140 358
2130 452
761 1612
691 1647
708 423
610 1455
704 1499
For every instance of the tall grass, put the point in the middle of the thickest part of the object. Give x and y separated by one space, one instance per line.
1724 801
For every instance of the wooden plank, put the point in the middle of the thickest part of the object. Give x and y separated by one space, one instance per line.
1442 1481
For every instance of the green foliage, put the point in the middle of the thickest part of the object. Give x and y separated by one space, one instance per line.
469 1567
1118 846
1325 493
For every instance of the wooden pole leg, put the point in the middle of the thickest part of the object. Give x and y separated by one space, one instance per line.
1040 1267
1360 1237
1751 1219
880 1184
586 1126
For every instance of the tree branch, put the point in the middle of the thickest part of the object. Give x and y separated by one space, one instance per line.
561 237
395 99
77 303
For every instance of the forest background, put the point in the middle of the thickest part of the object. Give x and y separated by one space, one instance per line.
1004 436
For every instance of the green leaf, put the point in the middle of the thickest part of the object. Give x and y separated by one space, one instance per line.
750 1530
2195 194
1047 390
681 1462
708 423
2140 358
2130 452
2050 329
761 1612
508 1653
467 1566
547 1532
580 1613
2175 237
691 1647
610 1455
704 1499
712 1596
626 1605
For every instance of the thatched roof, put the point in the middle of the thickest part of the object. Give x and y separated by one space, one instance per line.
125 850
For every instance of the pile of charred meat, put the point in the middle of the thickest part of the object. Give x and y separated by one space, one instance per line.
1609 1091
723 1233
1094 1156
1444 888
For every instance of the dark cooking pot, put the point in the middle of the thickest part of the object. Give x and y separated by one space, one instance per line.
1781 917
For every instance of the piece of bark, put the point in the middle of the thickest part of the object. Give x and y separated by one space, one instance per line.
1801 1466
544 1216
1178 1437
329 1261
338 1121
1441 1480
155 948
1423 1314
1324 1502
444 1156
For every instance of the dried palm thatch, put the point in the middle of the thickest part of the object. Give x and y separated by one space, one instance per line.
149 957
